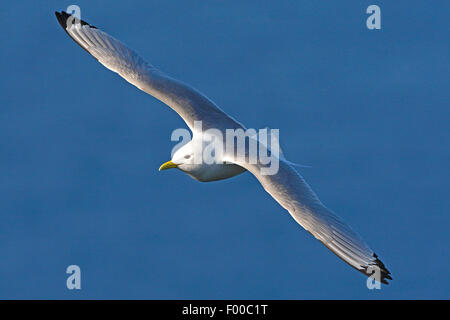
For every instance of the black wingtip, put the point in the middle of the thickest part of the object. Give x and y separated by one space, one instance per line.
63 17
61 20
384 272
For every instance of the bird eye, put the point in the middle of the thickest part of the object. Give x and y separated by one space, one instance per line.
187 156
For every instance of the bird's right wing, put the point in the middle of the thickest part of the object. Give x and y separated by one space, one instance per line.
190 104
291 191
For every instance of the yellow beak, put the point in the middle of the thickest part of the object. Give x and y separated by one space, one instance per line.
167 165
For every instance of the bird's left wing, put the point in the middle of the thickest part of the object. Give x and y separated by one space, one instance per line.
189 103
291 191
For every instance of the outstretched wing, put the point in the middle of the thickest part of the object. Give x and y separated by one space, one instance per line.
291 191
190 104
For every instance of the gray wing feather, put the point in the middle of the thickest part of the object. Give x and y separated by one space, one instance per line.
189 103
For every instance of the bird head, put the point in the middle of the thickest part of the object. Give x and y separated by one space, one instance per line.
182 159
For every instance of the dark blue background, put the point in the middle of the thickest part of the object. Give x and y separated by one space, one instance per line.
80 150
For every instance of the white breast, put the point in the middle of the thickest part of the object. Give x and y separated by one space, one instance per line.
213 172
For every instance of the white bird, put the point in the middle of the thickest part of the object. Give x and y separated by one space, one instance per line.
287 187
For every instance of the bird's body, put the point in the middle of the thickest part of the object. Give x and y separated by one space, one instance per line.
286 186
185 160
212 172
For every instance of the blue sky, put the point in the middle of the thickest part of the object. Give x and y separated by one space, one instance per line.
80 150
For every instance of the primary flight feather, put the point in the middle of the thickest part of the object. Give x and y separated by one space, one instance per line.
287 187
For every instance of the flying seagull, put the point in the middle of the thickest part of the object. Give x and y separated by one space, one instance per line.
287 186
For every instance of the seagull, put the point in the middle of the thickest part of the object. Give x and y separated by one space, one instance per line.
286 186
